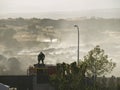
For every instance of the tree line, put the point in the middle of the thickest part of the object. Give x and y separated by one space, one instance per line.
83 76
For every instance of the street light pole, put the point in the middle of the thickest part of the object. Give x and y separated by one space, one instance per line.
78 44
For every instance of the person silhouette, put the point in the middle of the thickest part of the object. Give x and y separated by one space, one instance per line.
41 57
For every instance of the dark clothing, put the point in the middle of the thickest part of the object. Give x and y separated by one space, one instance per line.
41 57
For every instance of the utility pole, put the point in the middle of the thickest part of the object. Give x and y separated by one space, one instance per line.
78 44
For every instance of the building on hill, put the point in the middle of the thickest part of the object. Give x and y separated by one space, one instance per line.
37 79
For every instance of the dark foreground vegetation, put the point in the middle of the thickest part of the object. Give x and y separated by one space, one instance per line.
83 76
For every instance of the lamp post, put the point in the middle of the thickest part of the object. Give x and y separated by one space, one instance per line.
78 44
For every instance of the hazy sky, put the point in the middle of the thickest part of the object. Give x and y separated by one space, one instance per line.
28 6
108 39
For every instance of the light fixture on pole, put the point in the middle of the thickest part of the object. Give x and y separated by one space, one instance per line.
78 44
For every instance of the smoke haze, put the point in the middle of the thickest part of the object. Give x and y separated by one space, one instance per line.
21 40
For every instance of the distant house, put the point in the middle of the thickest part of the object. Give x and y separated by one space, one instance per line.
4 87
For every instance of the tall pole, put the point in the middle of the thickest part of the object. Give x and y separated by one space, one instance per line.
78 44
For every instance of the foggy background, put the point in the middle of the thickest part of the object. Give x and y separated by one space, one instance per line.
30 26
21 40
